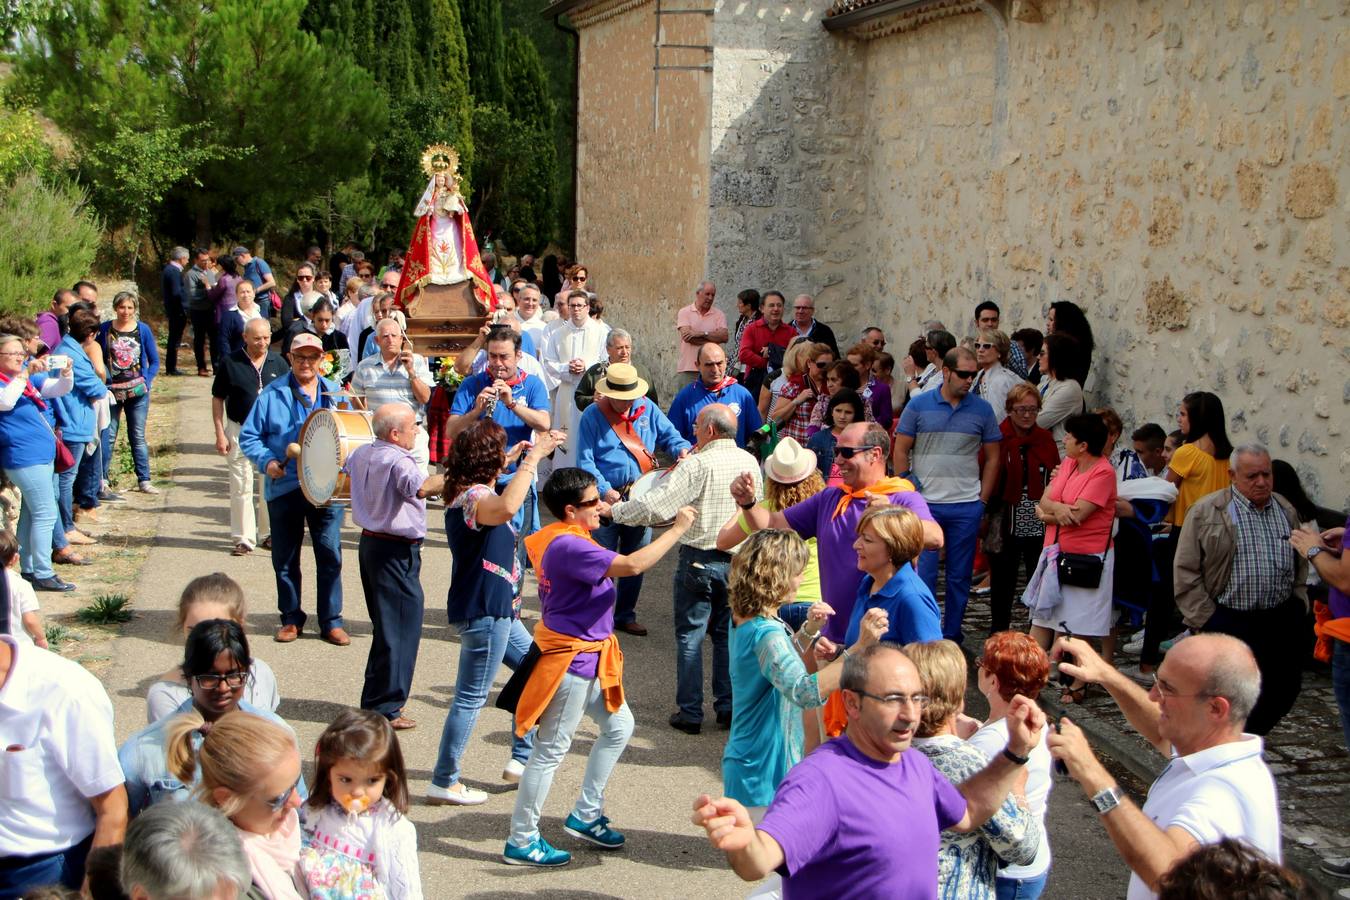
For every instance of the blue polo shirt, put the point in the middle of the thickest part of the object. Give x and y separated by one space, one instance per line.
947 442
530 391
600 452
693 397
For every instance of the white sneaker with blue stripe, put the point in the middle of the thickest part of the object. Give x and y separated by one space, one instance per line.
598 832
538 852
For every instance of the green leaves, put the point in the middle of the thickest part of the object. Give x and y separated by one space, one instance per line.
48 237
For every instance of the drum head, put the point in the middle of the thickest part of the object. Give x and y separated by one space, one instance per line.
320 446
648 483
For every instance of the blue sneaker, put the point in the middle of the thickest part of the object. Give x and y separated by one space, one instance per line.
598 832
538 853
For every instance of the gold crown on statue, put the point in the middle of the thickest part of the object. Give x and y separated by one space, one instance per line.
440 159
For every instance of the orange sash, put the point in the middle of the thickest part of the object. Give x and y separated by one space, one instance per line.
556 652
886 486
537 543
627 435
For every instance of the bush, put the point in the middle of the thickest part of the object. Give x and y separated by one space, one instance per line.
48 238
106 609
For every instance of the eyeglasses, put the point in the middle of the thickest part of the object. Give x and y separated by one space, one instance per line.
1026 409
276 803
1166 690
979 346
15 353
895 701
963 373
850 452
306 359
804 308
212 681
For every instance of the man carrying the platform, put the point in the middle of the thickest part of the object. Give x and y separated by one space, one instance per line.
617 440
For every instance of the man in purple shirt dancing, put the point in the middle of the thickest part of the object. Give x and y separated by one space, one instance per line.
831 829
389 504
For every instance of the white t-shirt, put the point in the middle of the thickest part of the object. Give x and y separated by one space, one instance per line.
22 599
1225 791
61 717
991 741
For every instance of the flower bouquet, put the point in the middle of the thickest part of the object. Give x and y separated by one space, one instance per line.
335 364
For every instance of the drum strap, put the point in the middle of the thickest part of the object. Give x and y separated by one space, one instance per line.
628 436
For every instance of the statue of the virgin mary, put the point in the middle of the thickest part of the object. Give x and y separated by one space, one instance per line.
443 250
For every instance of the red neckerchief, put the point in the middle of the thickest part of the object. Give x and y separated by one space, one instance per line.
28 391
722 385
519 377
634 413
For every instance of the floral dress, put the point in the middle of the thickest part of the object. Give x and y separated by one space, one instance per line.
370 855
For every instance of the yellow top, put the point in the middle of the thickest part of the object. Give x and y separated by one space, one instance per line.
809 590
1200 473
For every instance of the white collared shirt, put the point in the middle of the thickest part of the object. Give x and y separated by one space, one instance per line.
61 717
1224 791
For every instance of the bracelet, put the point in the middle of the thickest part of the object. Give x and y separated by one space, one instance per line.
1014 758
844 654
751 505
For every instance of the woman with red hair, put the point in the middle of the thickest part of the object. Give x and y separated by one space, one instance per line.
1013 663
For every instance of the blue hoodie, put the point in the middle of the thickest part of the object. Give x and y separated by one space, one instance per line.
75 410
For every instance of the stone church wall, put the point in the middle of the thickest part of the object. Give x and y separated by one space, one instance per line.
1178 169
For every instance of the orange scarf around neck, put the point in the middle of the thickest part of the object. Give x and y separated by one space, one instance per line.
884 487
537 543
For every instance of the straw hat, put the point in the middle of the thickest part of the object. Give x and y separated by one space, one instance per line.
789 463
621 382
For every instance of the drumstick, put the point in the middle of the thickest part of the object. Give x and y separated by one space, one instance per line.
293 451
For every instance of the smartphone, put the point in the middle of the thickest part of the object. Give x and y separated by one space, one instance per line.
1064 677
1059 767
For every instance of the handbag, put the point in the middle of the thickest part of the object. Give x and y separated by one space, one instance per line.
1083 570
509 698
64 458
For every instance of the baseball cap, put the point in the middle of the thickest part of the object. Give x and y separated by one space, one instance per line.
305 339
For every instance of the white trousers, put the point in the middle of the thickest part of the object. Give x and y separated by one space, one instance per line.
248 510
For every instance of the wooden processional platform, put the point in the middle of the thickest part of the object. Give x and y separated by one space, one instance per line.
444 318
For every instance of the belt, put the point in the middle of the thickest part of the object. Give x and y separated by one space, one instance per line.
366 532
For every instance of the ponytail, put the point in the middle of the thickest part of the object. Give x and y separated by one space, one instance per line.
178 751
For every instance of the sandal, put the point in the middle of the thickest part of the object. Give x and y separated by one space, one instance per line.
1074 695
241 550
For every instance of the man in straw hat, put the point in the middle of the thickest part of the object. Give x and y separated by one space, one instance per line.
617 440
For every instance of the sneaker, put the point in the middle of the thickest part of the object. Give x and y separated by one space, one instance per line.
1168 645
514 769
111 496
538 852
465 796
146 487
54 585
1135 645
598 832
1340 869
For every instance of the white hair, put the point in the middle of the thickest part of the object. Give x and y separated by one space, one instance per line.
389 417
617 334
183 850
1248 449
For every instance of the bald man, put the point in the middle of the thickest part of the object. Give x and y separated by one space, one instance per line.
389 491
1216 785
239 380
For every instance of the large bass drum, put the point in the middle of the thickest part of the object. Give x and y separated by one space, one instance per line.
648 483
327 438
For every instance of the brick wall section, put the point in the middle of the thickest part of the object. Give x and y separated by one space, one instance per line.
642 204
1177 169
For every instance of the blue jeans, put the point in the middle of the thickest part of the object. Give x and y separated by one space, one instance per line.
484 644
38 518
701 608
66 493
290 513
64 867
960 529
1340 682
624 539
1020 888
136 410
89 482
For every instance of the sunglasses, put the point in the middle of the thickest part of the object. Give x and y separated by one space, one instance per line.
588 504
979 346
304 278
849 452
963 373
275 804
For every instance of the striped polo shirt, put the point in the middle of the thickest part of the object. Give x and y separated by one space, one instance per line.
381 384
947 440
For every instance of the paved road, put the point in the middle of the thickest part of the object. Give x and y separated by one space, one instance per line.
650 792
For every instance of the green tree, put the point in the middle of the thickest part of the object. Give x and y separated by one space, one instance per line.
236 74
48 236
23 148
486 38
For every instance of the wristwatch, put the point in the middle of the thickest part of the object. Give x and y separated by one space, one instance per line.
1313 551
1107 800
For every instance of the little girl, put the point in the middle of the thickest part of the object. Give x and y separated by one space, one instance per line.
24 621
358 839
844 408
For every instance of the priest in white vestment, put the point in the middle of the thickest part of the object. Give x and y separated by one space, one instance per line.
571 346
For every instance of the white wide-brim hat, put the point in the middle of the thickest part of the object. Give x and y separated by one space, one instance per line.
789 463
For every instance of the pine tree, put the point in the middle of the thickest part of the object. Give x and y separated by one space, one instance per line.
486 39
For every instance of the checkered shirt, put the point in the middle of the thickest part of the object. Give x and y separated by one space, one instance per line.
1263 560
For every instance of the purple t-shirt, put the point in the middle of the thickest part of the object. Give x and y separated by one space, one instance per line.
839 572
575 595
1337 599
837 816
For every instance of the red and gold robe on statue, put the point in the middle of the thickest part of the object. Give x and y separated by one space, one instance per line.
443 249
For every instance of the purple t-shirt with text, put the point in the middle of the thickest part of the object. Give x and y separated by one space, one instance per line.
1337 599
851 826
576 597
839 572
